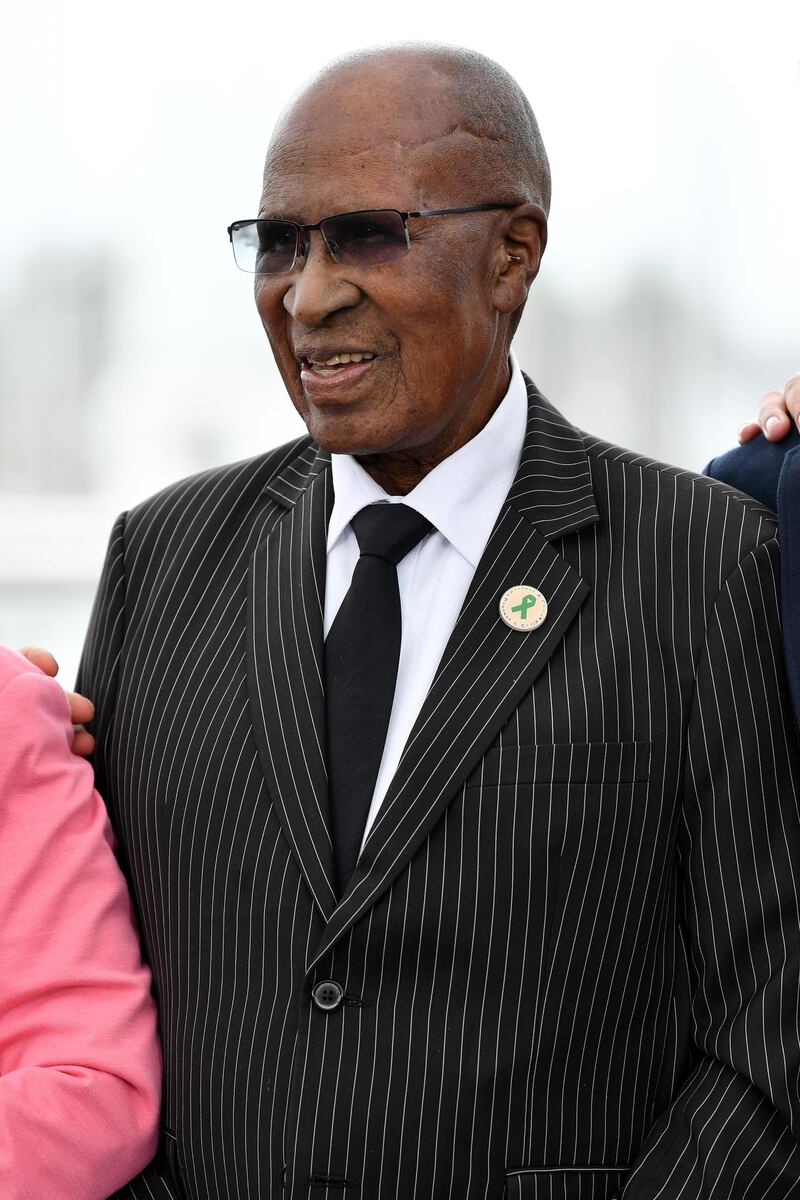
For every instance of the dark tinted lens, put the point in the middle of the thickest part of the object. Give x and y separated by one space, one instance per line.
276 243
366 237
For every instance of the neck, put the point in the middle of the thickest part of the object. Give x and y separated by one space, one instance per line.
398 473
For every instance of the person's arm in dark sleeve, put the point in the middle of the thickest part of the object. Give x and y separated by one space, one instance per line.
755 468
732 1132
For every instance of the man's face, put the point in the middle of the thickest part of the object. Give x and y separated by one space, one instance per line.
428 319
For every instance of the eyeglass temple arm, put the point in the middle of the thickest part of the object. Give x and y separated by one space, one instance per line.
443 212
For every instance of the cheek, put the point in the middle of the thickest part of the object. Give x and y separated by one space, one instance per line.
268 303
444 327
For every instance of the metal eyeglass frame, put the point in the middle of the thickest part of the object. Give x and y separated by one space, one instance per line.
302 245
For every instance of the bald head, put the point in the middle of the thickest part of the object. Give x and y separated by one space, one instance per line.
443 113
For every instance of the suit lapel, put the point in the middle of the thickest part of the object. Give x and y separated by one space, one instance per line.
284 652
486 667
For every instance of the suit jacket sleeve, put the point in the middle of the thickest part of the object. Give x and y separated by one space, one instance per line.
755 468
97 679
732 1132
770 471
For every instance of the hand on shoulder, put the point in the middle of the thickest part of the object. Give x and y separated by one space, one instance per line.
776 412
80 708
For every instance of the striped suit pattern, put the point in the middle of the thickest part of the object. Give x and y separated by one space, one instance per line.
570 951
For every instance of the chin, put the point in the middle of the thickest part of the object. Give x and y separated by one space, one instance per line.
358 447
345 434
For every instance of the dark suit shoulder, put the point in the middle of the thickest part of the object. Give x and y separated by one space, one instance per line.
689 494
755 468
197 528
237 481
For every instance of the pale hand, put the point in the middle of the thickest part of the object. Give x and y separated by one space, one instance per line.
776 412
80 708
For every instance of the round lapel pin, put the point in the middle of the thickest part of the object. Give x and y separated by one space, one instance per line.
523 608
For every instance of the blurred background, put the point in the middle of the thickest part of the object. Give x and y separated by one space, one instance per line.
130 350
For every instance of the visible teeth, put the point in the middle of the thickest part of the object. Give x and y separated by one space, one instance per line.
337 359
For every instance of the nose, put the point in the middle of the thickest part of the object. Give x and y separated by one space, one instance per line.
319 288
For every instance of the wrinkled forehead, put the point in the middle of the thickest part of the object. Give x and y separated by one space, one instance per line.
372 146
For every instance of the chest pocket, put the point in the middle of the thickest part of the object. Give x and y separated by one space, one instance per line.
576 1183
565 763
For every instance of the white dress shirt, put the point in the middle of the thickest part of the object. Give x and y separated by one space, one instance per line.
462 498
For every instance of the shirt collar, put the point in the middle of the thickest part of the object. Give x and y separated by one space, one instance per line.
463 495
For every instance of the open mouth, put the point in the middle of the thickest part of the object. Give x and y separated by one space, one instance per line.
336 364
334 377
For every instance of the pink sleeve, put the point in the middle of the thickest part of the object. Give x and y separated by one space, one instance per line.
79 1060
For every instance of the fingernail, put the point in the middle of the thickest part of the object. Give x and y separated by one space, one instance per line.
771 423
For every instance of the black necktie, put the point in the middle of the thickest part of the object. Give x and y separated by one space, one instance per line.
362 651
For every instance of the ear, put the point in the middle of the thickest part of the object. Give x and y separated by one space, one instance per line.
519 255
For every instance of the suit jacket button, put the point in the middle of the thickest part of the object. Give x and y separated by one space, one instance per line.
327 995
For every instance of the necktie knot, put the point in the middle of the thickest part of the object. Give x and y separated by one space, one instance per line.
389 531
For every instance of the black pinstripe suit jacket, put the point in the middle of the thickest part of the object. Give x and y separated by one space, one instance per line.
570 951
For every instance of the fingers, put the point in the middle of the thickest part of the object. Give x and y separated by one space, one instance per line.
773 417
792 398
776 413
81 710
748 431
82 743
42 659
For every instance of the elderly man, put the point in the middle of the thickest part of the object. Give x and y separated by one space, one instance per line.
449 749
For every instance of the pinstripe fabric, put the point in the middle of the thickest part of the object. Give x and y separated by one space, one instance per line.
570 950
